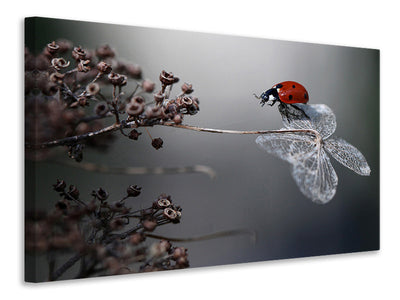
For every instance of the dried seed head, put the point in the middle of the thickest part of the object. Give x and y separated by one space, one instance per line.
169 213
157 143
101 109
52 48
105 51
57 77
79 54
73 191
148 86
82 101
134 134
161 203
117 223
179 252
103 67
136 106
166 245
61 205
93 88
168 78
149 225
178 119
59 63
117 79
137 238
187 88
182 262
83 66
59 186
100 194
133 191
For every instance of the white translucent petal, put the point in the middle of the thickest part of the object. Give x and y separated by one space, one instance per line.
287 146
311 167
321 119
315 176
347 155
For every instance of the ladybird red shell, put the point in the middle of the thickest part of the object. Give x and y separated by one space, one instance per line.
291 92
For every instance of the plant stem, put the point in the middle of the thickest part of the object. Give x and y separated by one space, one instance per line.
114 127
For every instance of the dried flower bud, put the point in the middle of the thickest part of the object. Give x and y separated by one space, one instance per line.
182 262
57 77
100 194
177 119
148 86
82 101
73 192
149 225
134 134
166 245
61 205
162 203
117 223
59 186
190 104
187 88
157 143
59 63
137 238
78 53
179 252
101 109
171 108
103 67
136 106
117 79
105 51
52 48
83 66
167 78
169 213
133 70
133 191
93 88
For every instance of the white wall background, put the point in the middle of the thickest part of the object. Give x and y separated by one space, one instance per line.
357 23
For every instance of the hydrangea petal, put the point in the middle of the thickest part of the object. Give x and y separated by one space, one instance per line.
321 119
347 155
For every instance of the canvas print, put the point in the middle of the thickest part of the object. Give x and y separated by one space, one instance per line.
149 149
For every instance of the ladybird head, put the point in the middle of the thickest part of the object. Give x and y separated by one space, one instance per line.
269 95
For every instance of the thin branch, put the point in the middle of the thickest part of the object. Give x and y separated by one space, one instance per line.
114 127
207 236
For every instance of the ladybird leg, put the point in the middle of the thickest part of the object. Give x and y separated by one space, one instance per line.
272 102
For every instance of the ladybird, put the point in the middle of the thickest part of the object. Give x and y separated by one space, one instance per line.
286 93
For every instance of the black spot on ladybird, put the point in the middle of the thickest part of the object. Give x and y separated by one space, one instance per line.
293 86
305 96
290 97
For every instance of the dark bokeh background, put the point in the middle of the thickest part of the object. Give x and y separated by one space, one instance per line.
252 189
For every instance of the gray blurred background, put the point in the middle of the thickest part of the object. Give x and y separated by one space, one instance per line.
252 189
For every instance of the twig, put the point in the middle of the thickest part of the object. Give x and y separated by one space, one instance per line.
205 237
114 127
